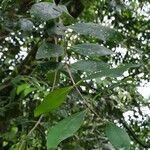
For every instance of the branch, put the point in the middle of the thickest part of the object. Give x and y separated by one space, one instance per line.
39 120
89 106
133 135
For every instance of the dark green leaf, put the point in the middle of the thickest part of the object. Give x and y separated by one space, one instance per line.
47 50
90 66
46 10
102 32
90 49
52 101
117 136
115 72
64 129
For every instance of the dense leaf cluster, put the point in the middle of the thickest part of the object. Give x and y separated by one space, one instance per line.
69 65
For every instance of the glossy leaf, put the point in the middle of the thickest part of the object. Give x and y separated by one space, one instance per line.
102 32
117 136
46 10
64 129
90 49
47 50
52 101
90 66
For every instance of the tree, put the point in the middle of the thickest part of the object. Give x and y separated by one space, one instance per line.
73 65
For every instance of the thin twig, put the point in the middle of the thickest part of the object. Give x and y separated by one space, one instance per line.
89 106
41 117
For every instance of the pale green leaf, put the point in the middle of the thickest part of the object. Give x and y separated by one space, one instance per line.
91 49
117 136
64 129
26 25
52 101
22 87
102 32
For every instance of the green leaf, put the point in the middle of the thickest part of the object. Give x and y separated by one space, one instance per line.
28 91
117 136
52 101
26 25
64 129
115 72
47 50
90 49
102 32
22 87
46 10
89 66
56 29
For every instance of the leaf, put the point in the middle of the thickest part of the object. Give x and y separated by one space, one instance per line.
90 49
28 91
102 32
46 10
117 136
89 66
47 50
26 25
52 101
115 72
57 29
64 129
22 87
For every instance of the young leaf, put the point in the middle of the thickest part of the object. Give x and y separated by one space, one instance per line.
90 49
47 50
22 87
46 10
64 129
117 136
102 32
52 101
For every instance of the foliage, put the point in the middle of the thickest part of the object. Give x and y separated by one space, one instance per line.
61 58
